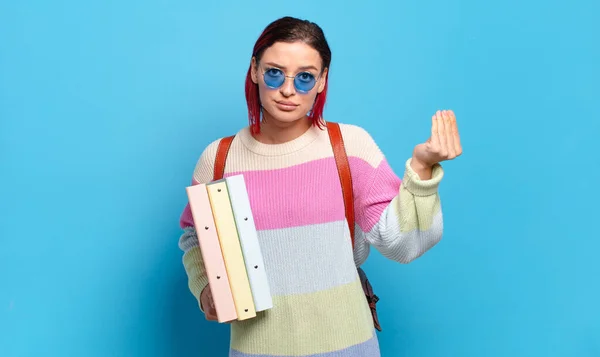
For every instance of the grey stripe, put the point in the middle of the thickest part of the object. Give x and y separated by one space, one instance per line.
361 246
188 239
307 259
403 247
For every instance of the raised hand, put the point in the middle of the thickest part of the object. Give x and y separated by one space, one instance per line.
443 144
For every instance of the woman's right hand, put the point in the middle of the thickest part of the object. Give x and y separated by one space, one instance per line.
207 304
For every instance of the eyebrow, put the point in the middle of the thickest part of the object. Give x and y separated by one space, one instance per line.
303 68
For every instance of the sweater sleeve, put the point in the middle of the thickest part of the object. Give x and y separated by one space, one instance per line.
188 241
400 217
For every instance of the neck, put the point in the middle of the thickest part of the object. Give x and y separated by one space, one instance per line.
276 132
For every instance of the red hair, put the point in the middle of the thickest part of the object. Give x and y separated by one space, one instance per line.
288 29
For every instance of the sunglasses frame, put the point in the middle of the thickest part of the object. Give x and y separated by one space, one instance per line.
292 77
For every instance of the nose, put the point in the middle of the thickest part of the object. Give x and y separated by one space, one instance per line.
287 88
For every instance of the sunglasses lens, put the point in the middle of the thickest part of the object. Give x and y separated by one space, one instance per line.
274 78
304 82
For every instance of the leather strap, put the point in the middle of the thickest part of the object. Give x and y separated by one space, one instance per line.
341 160
222 151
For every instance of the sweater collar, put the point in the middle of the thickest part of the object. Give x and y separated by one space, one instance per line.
288 147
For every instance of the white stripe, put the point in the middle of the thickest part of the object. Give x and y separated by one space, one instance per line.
307 259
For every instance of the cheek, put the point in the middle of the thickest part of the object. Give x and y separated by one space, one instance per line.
307 100
263 91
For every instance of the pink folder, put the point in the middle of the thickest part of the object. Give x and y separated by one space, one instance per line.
211 252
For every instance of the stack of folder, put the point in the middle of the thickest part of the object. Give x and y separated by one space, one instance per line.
229 244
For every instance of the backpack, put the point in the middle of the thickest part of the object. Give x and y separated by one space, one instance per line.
339 152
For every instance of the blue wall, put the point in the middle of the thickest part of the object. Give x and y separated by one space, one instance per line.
106 105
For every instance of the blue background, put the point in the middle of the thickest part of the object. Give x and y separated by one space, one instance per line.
105 107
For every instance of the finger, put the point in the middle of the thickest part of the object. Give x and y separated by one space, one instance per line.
443 149
435 140
211 317
209 298
211 314
449 136
455 135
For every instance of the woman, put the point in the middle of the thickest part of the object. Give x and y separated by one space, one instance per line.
288 165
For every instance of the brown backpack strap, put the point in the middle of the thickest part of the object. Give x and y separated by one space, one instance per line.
222 151
343 166
341 160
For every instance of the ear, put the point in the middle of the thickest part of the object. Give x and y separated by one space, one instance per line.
323 80
253 71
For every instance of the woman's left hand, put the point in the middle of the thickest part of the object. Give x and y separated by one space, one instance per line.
443 144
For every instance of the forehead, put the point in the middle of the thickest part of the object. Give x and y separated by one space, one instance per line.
292 55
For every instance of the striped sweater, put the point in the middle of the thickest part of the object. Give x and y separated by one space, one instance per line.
295 194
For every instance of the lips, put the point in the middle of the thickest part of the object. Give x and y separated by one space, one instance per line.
287 103
286 106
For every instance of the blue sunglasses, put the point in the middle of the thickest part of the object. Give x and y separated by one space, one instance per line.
303 81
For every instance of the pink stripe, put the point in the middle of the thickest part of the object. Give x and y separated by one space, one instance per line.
305 194
371 204
310 193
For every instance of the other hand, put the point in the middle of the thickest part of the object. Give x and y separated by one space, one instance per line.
207 304
443 144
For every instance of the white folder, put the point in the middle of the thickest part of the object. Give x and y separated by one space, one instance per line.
248 237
